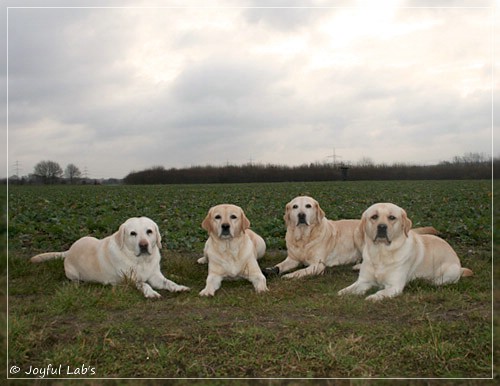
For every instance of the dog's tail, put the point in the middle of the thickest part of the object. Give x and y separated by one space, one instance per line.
48 256
426 231
466 272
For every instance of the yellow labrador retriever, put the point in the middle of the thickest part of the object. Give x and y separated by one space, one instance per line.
393 255
315 241
132 251
232 249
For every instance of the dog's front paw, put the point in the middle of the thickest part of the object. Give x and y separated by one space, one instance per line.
147 290
152 294
375 298
182 288
261 290
356 267
271 272
261 287
354 289
206 292
343 292
202 260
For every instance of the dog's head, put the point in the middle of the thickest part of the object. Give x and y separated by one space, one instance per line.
225 221
384 223
303 211
139 235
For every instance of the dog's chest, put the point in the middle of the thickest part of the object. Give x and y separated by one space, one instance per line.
230 258
143 269
382 265
304 249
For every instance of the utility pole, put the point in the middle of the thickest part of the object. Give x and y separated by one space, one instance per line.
334 157
17 167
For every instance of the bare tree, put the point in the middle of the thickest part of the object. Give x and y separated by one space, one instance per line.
365 161
72 172
48 171
471 158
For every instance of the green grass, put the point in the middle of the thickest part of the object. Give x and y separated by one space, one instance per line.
297 329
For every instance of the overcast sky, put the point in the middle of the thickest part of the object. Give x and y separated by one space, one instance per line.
114 90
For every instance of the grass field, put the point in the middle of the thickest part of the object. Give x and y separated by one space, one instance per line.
298 329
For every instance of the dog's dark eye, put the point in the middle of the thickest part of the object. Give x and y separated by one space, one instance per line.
133 233
308 206
375 217
218 217
233 217
392 218
149 232
295 206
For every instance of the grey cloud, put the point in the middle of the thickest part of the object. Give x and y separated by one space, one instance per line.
236 93
223 80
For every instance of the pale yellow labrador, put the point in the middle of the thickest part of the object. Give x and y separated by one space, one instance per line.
232 249
132 251
315 241
394 254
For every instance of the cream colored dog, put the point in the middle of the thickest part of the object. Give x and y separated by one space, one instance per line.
133 252
393 255
232 249
315 241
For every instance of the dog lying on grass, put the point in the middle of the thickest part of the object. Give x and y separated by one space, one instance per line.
393 255
132 252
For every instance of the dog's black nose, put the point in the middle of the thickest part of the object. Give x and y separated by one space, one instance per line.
225 229
382 229
302 218
143 246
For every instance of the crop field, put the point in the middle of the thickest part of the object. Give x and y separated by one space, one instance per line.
299 329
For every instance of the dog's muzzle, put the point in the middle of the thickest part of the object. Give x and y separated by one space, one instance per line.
143 248
225 230
302 219
382 234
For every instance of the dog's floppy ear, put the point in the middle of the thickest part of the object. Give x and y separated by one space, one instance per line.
407 224
207 222
245 222
120 236
158 236
359 234
320 213
286 217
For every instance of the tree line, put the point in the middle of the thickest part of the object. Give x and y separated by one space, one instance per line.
460 168
468 166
